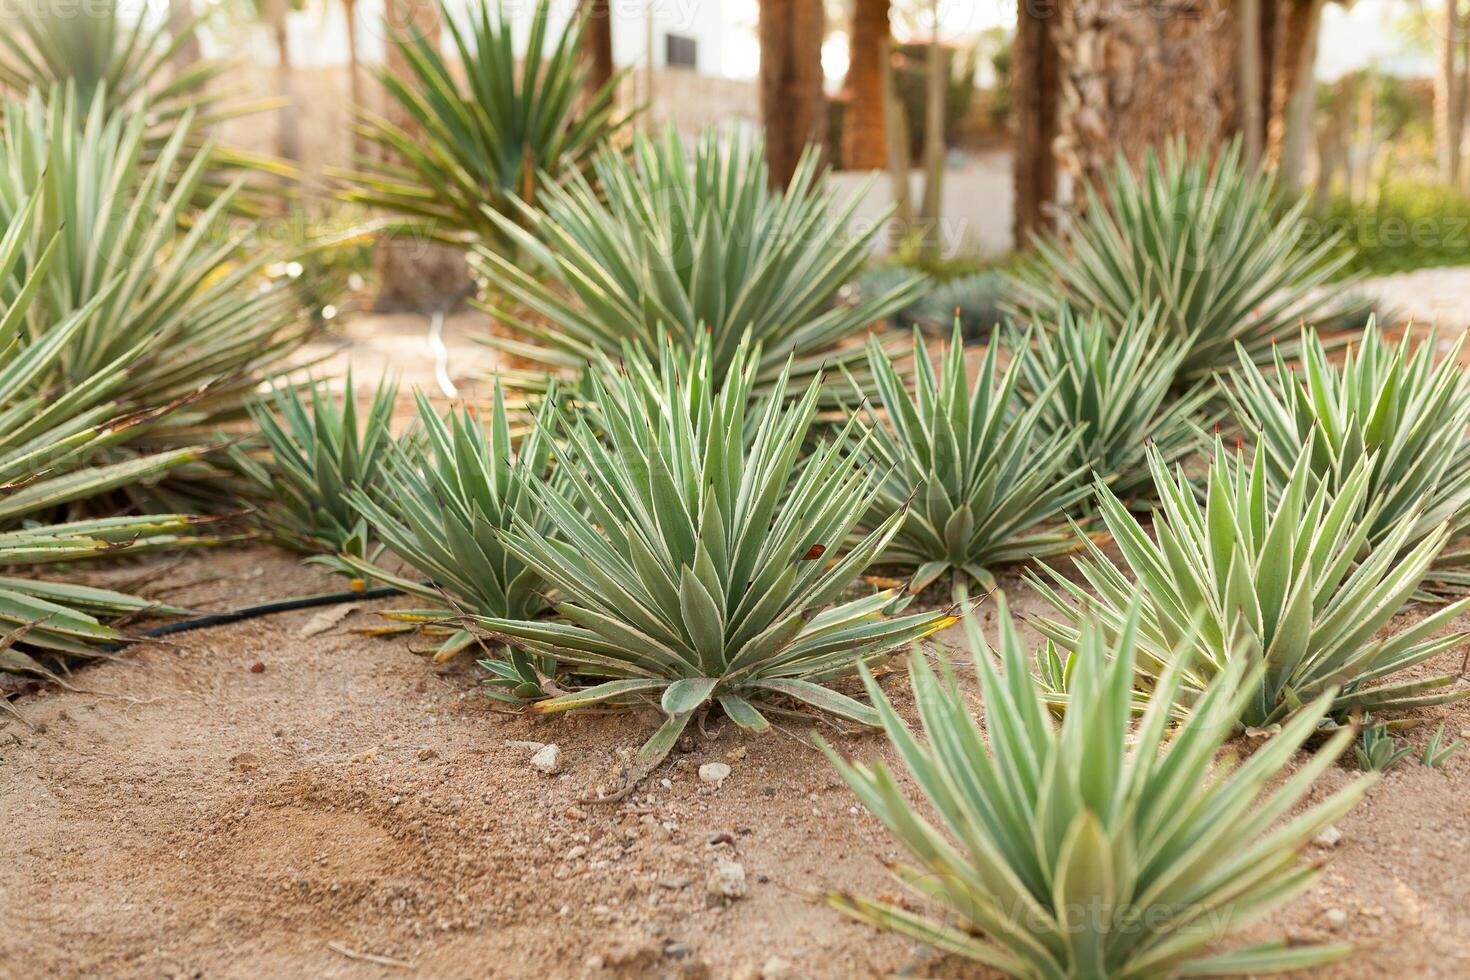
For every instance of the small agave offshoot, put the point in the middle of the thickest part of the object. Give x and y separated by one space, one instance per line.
443 499
698 566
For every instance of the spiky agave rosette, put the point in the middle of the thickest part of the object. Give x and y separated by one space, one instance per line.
51 438
1095 848
441 504
1392 402
514 126
1198 236
176 321
696 567
655 247
985 485
1117 389
1280 582
320 450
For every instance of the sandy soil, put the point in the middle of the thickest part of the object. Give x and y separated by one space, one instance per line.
253 801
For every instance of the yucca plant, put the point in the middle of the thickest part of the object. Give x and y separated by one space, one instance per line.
1203 241
1118 390
47 45
443 501
177 314
1094 848
984 484
319 451
1390 402
662 246
1278 581
511 129
694 566
51 435
124 65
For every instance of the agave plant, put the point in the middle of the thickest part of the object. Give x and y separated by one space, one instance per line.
1117 390
696 567
974 299
1087 849
512 128
443 500
983 481
178 317
1280 582
319 451
50 438
1204 242
1390 403
659 247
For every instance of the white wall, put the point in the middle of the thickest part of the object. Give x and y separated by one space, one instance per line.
318 35
975 213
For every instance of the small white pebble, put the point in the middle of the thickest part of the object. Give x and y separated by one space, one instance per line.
1329 837
726 879
714 773
547 759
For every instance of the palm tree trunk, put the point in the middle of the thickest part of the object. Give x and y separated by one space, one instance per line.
896 123
1292 88
864 130
354 68
288 141
1248 23
792 102
936 85
1035 101
1132 80
1301 106
597 44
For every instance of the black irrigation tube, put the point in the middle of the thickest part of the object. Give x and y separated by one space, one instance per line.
263 609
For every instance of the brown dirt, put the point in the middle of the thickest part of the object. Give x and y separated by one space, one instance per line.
186 815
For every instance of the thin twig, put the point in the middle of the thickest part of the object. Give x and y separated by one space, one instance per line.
353 954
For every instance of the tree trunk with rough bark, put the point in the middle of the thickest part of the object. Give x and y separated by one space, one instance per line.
414 273
1294 50
864 131
1134 78
792 104
1035 104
